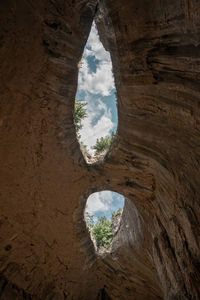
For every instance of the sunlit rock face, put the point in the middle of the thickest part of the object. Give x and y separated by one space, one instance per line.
45 250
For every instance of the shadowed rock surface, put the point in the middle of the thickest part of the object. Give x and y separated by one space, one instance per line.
45 248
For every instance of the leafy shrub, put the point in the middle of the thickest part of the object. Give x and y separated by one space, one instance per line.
89 219
102 232
79 114
103 143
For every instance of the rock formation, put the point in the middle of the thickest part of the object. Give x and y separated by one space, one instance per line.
45 248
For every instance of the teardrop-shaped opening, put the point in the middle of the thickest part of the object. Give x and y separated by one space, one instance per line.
102 215
95 112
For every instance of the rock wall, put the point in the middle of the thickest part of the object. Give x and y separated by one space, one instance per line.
45 249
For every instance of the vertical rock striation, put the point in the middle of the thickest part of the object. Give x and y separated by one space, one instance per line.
45 250
155 54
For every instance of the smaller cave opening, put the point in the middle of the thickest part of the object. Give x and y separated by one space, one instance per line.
95 108
103 213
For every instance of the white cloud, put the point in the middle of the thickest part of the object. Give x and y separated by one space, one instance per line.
99 202
90 133
98 123
101 81
95 46
95 85
104 204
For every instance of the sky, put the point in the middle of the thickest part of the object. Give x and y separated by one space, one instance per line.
96 87
104 204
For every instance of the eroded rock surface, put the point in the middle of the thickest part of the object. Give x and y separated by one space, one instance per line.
45 249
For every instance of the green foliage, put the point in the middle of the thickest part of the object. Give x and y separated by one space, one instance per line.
102 229
79 114
102 232
103 143
89 219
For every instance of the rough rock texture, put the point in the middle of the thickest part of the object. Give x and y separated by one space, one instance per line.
45 249
116 221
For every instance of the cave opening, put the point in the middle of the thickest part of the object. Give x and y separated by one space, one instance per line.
95 110
103 213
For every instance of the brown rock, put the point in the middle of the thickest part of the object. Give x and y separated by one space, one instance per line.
45 248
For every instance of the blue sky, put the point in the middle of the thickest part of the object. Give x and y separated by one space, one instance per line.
96 87
104 204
